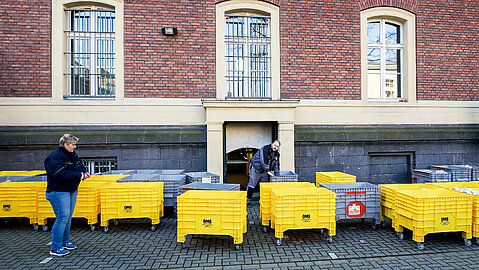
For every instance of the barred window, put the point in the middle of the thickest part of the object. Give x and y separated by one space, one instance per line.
99 165
91 52
248 55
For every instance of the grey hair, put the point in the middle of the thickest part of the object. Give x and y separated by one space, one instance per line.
68 138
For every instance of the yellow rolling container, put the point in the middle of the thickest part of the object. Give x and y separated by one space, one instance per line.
434 211
303 208
131 200
265 197
334 177
212 212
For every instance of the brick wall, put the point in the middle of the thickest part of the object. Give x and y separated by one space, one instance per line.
25 48
320 50
181 66
448 50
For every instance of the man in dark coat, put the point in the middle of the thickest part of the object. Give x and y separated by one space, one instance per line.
263 164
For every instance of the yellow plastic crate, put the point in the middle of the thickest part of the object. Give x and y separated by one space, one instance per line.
212 212
303 208
131 200
434 211
20 199
334 177
87 205
21 173
451 185
388 198
265 196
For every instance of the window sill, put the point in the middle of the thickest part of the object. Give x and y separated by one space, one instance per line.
88 97
388 100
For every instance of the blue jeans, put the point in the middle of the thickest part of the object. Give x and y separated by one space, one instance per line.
63 204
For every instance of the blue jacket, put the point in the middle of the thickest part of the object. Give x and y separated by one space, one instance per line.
64 170
266 160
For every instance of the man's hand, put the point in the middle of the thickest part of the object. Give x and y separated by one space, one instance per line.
270 173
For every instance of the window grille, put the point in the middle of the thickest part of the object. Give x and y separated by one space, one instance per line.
248 59
99 165
91 53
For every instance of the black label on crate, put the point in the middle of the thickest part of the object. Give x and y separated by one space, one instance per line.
7 208
445 221
207 223
128 208
306 218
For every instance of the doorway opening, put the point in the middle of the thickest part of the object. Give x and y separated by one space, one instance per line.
237 166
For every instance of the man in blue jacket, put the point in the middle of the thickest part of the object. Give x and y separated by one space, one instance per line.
264 163
65 170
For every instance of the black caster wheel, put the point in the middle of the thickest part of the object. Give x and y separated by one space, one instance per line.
45 228
92 227
383 223
153 228
330 239
35 227
279 241
401 235
265 229
183 245
237 247
477 241
374 227
115 222
420 246
105 229
467 242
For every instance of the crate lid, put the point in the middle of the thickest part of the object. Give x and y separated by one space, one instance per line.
434 193
409 186
269 185
450 185
354 185
213 194
301 191
209 186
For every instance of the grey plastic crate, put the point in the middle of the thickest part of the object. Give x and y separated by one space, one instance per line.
202 177
284 176
118 172
13 178
38 178
207 186
432 175
138 178
475 173
459 173
350 196
168 172
171 183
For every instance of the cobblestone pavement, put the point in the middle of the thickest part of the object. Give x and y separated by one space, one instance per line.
131 245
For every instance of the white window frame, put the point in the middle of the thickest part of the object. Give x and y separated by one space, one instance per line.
383 46
59 46
408 22
93 35
255 7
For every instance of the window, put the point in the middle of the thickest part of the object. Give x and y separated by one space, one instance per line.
247 50
384 56
91 52
388 55
247 43
99 165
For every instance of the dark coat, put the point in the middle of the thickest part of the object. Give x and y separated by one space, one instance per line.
266 160
64 170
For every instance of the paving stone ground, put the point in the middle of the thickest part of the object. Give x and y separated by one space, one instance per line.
131 245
